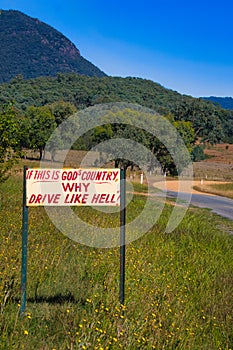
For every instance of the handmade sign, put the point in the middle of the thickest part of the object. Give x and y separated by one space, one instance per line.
72 187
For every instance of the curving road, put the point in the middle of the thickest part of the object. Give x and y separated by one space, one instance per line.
220 205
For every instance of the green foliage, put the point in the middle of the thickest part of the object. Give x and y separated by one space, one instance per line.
38 123
207 120
9 136
187 133
61 110
64 94
210 123
102 133
41 125
138 137
198 153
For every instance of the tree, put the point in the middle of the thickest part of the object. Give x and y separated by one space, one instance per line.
61 110
9 132
41 125
187 133
198 153
170 147
205 118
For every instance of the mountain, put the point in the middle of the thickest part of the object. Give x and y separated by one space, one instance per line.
224 102
32 48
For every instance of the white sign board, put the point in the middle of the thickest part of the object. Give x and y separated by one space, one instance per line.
73 187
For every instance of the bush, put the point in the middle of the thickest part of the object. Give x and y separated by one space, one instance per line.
198 153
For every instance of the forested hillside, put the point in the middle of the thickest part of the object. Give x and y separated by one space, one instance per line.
224 102
30 110
32 48
211 123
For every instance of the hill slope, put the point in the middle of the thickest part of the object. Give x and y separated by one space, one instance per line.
211 123
32 48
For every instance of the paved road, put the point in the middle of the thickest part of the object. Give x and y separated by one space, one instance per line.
219 205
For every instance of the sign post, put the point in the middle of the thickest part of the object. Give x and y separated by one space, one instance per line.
122 236
24 247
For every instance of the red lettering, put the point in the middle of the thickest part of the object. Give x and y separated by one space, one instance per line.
98 175
55 175
57 198
41 199
95 198
38 199
70 175
108 177
102 198
115 173
32 199
76 198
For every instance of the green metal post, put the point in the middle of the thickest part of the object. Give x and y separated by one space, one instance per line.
122 235
24 248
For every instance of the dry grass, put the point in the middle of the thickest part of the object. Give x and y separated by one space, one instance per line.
218 165
220 189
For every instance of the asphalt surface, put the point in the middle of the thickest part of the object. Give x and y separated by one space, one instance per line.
220 205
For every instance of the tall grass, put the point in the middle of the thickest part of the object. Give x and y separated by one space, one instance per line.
179 286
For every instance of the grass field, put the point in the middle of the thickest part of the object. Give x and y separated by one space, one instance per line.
179 286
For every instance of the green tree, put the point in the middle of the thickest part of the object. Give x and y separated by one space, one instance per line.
198 153
9 133
187 133
41 125
62 110
205 118
165 147
23 139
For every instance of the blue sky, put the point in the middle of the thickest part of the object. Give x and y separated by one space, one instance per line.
186 46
